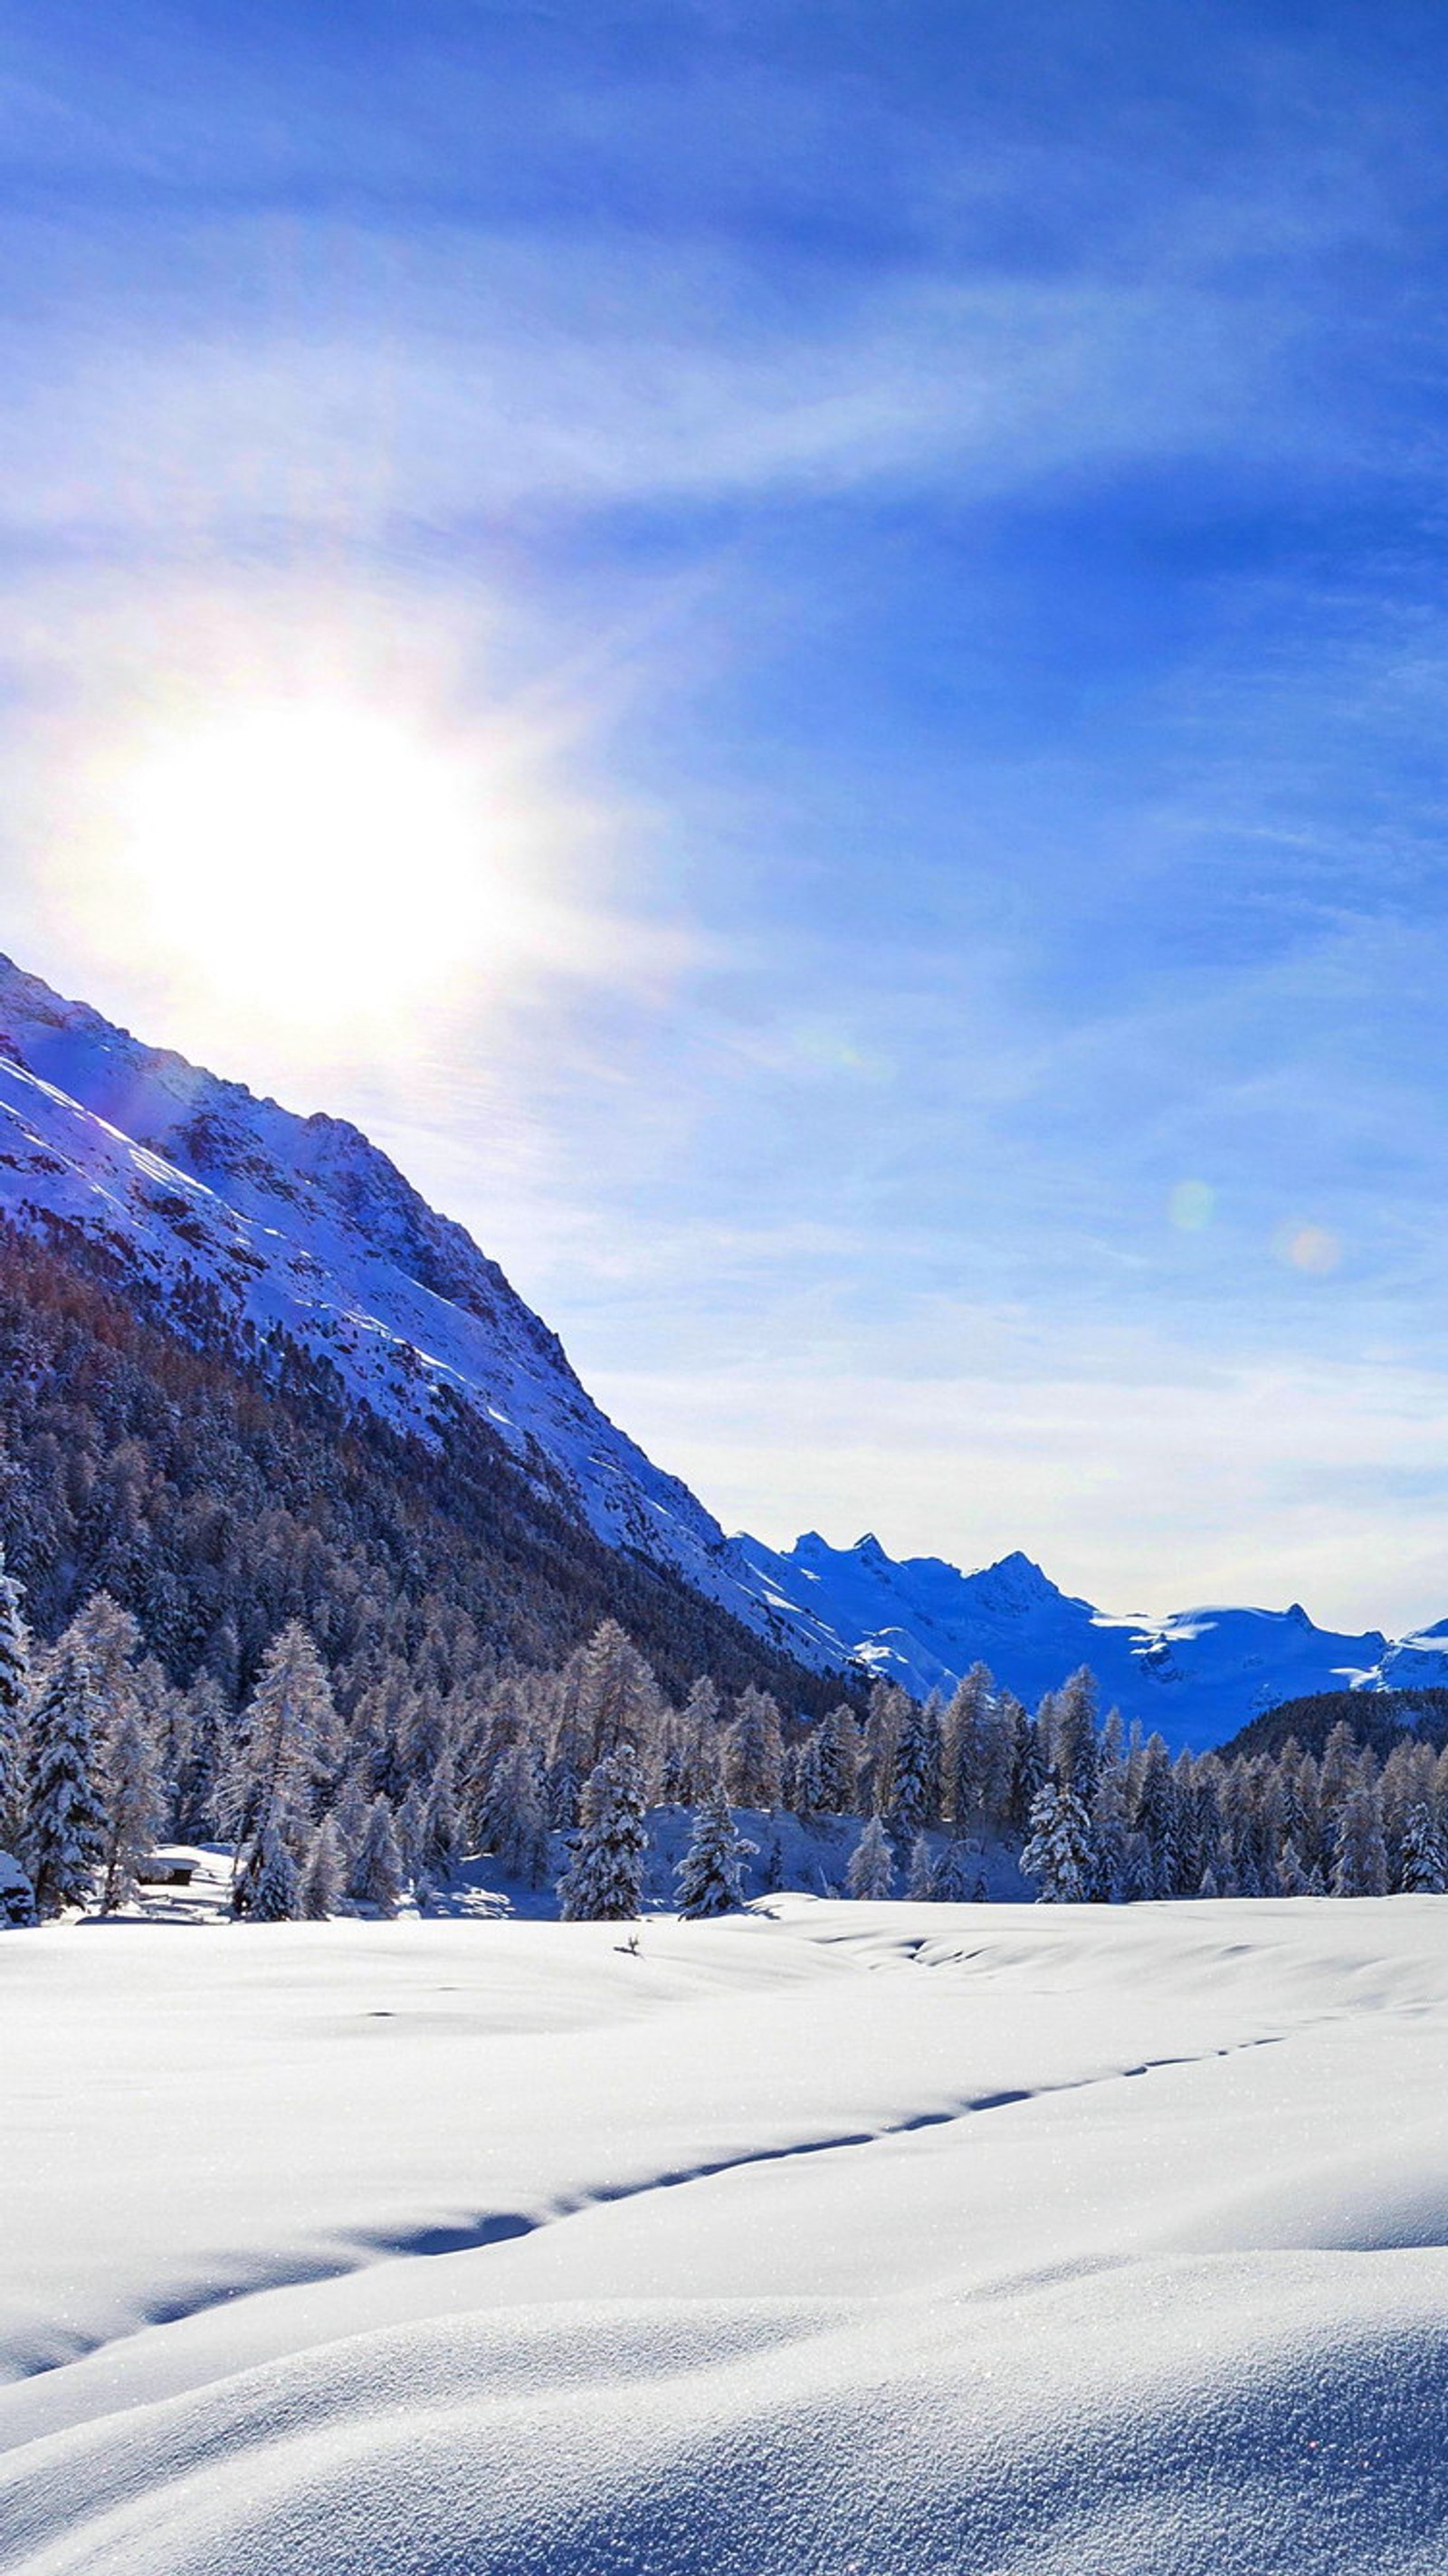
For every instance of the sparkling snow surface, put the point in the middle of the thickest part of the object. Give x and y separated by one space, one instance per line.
876 2240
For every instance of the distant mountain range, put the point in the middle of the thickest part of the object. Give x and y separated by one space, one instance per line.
178 1178
1195 1677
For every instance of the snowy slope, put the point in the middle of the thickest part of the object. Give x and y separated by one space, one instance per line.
302 1222
913 2240
1196 1676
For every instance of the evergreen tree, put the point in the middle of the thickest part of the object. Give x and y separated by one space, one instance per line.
14 1694
956 1874
411 1818
1108 1832
871 1872
709 1877
517 1817
441 1847
912 1796
604 1879
1423 1867
324 1877
62 1844
833 1752
272 1879
1292 1879
1059 1854
131 1801
377 1880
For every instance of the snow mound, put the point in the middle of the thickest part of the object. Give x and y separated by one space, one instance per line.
895 2238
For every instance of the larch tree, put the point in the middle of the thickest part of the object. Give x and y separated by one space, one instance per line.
283 1745
754 1754
921 1880
1361 1859
324 1878
133 1807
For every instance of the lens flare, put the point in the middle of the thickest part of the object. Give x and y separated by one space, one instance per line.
1309 1248
1191 1206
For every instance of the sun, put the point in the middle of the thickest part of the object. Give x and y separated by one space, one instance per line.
312 855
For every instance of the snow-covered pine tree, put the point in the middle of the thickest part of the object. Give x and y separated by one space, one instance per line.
14 1693
1423 1869
1059 1854
272 1891
709 1877
442 1840
871 1872
411 1821
836 1741
956 1873
377 1879
324 1877
517 1820
1292 1878
605 1877
1361 1863
61 1843
912 1796
1108 1832
132 1805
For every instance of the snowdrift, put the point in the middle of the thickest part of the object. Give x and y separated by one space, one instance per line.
889 2239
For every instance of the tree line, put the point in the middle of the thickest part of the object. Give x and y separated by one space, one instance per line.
334 1796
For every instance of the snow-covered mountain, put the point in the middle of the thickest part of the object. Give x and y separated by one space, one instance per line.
1196 1676
179 1177
302 1223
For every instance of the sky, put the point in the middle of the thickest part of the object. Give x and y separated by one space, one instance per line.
800 651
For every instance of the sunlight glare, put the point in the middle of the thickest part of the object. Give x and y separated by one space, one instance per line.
317 854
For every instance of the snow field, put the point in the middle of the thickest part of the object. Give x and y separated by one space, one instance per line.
886 2239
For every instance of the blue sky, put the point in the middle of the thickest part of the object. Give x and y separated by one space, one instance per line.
940 512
